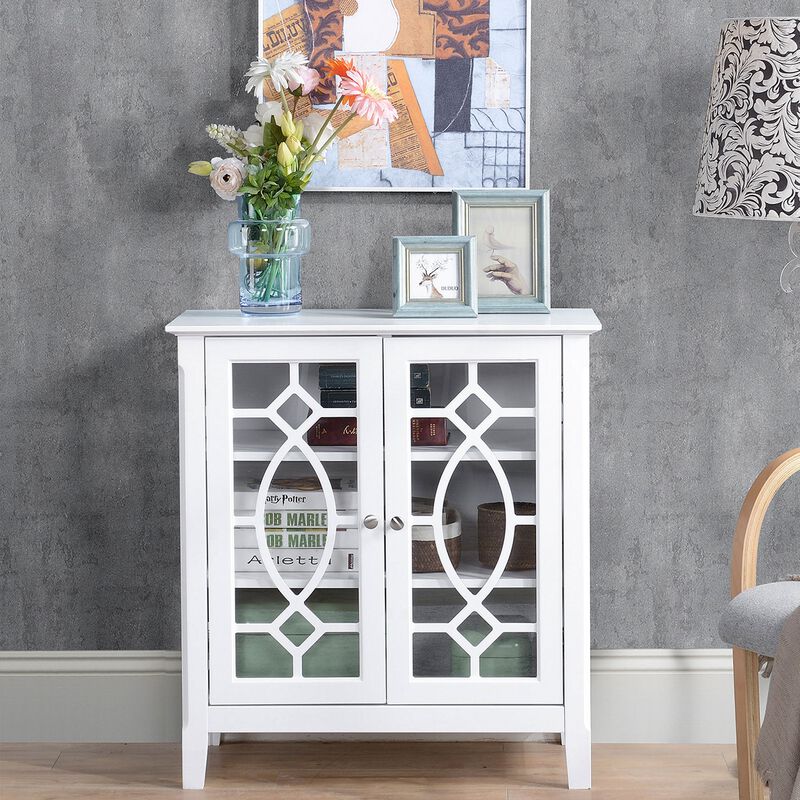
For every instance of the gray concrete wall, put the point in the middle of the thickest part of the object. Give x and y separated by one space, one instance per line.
104 238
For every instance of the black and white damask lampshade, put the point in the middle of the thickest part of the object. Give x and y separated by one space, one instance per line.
750 161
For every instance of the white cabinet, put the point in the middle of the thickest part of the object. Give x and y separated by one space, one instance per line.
338 577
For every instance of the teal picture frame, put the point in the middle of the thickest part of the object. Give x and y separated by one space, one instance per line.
465 201
404 247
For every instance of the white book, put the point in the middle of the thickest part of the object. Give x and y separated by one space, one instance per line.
344 539
311 519
284 497
294 560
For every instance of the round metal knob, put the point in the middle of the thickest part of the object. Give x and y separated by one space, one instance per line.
371 522
396 524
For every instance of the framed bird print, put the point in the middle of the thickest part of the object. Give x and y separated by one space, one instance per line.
456 71
434 276
512 234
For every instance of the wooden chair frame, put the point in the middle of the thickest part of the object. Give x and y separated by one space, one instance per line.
743 576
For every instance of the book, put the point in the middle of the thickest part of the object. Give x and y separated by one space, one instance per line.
337 376
420 376
347 539
333 431
294 560
429 431
338 398
343 376
294 493
420 398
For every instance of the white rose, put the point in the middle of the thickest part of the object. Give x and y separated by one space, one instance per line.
312 125
254 136
227 177
266 112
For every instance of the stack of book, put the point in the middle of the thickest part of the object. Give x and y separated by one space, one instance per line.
420 386
337 389
296 523
425 431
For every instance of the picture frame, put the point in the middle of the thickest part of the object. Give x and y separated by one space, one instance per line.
434 276
462 90
512 230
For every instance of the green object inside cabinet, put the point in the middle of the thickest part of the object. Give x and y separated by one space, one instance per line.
509 656
260 655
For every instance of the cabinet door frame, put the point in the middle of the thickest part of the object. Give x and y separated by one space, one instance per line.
221 353
547 687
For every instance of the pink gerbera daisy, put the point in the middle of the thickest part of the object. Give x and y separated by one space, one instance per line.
365 98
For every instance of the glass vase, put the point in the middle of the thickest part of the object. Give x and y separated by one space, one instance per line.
270 252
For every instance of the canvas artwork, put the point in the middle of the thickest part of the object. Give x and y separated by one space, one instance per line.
434 276
455 71
504 240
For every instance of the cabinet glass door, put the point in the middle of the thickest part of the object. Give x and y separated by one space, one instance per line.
473 495
295 520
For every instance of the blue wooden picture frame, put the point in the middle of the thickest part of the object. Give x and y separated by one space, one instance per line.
406 246
538 200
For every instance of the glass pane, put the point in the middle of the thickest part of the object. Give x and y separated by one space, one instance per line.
259 605
435 385
335 655
511 655
434 655
259 655
257 385
289 454
436 605
511 385
472 620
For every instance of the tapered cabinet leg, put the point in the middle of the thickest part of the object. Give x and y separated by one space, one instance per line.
748 722
578 747
195 754
214 739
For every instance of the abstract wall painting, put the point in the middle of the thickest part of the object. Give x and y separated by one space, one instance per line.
456 71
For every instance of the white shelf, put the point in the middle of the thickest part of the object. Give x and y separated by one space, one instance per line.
473 575
259 445
297 580
504 444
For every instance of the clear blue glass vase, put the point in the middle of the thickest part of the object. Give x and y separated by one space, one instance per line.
270 253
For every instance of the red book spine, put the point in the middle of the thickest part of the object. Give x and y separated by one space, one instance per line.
429 430
333 431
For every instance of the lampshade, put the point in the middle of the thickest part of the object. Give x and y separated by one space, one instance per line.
750 161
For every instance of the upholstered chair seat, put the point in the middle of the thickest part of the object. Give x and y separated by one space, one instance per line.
753 619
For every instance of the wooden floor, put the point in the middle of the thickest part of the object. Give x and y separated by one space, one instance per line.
366 771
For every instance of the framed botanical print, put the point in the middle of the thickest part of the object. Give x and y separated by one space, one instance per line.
434 276
512 232
456 71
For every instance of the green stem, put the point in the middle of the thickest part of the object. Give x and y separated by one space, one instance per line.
325 124
328 141
265 282
313 157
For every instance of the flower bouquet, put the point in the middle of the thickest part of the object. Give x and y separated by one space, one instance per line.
270 164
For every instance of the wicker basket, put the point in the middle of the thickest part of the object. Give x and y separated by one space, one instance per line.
424 555
492 531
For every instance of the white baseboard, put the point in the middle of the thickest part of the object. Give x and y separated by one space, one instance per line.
135 696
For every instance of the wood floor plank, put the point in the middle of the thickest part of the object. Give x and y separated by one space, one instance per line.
365 771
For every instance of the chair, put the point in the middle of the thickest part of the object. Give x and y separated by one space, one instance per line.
752 621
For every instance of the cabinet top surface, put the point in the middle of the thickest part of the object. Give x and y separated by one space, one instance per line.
342 322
